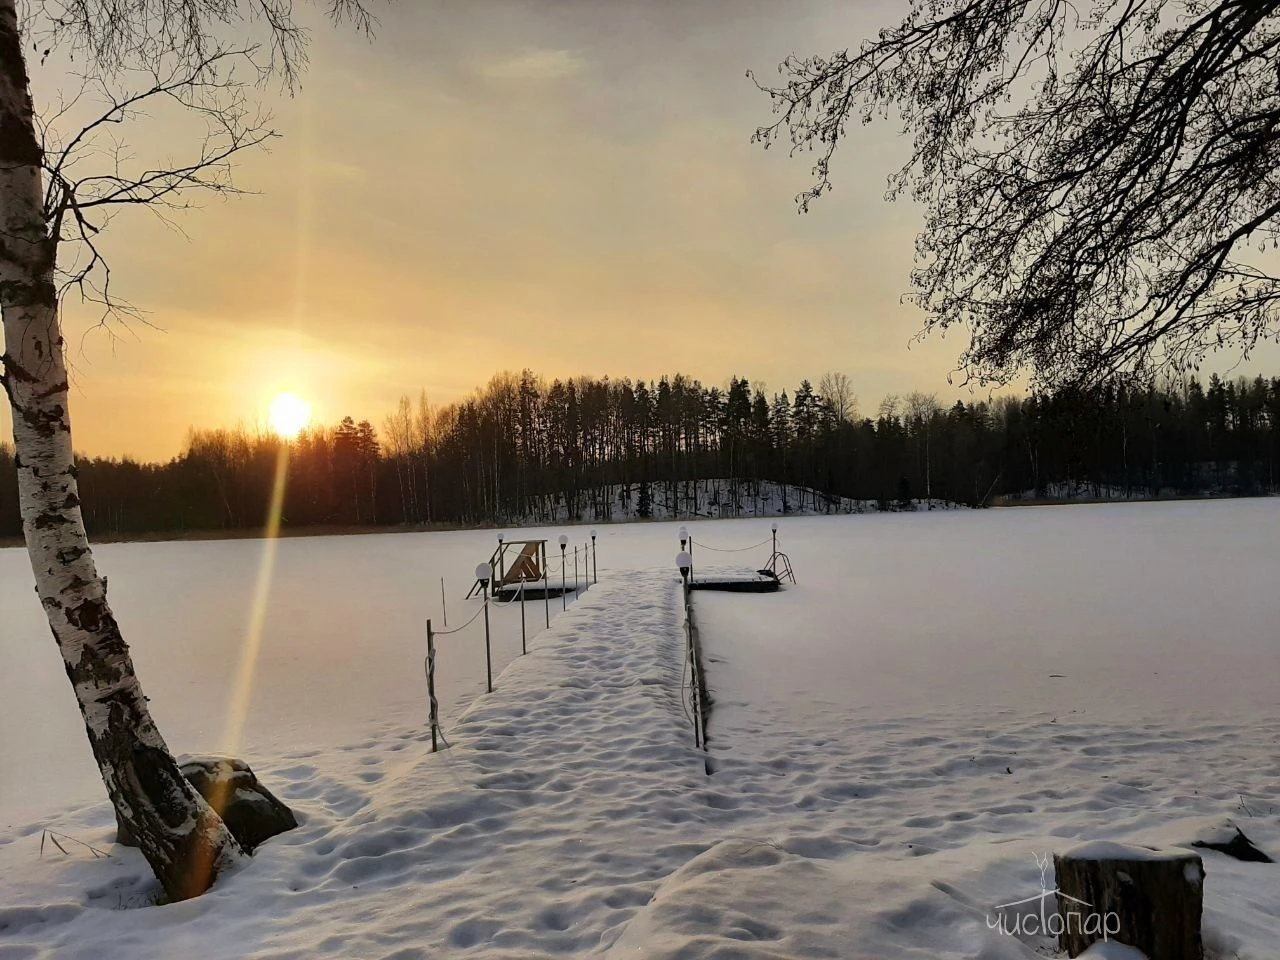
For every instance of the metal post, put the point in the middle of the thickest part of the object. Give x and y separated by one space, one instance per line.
575 569
524 644
683 563
693 666
443 608
564 604
433 707
546 586
488 658
595 570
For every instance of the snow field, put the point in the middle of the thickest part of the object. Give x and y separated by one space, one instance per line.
342 650
890 748
565 799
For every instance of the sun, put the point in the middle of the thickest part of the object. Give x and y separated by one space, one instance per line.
289 415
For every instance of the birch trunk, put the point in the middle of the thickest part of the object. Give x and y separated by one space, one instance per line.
181 837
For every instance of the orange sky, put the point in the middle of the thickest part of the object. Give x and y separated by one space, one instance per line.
564 185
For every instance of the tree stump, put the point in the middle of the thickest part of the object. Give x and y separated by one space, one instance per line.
1146 898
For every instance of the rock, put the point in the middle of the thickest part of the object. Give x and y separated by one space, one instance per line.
251 812
1146 898
1228 838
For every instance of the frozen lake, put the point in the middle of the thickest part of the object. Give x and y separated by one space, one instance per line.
1117 610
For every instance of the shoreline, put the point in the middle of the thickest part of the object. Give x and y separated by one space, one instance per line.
1094 501
256 533
334 530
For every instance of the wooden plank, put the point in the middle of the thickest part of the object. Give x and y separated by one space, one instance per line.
525 566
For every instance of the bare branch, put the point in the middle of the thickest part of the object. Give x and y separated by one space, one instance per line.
90 173
1092 180
139 34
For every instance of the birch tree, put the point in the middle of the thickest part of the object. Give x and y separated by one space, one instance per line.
58 191
921 409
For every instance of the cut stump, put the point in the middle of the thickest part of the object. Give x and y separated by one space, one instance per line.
1146 898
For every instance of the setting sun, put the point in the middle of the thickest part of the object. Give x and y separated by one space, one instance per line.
289 415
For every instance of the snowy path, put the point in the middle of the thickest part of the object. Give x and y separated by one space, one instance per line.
567 796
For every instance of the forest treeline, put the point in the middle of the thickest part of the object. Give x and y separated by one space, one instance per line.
524 449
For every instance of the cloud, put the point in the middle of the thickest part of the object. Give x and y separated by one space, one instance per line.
534 63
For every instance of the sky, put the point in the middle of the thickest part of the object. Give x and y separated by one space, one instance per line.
563 185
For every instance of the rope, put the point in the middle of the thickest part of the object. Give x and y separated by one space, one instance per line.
553 567
684 672
445 633
754 546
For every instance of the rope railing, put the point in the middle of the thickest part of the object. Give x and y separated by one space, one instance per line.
433 703
686 692
584 553
754 546
445 633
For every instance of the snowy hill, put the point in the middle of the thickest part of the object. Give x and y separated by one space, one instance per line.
705 499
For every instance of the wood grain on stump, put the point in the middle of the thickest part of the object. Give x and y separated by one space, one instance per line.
1147 898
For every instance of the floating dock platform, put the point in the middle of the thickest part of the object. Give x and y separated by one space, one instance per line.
508 593
763 581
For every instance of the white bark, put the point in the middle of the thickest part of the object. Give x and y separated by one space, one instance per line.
184 841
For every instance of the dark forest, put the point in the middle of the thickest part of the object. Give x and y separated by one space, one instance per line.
525 450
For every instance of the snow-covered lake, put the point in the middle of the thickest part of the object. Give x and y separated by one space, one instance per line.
341 652
1168 607
939 697
1118 611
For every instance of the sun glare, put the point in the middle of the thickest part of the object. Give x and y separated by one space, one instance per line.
289 415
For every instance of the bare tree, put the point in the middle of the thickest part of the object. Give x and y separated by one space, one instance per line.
889 407
837 390
424 432
1094 177
57 193
921 409
398 446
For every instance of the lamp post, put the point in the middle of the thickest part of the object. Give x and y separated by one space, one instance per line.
575 570
685 564
564 542
484 573
684 536
546 585
524 636
595 570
